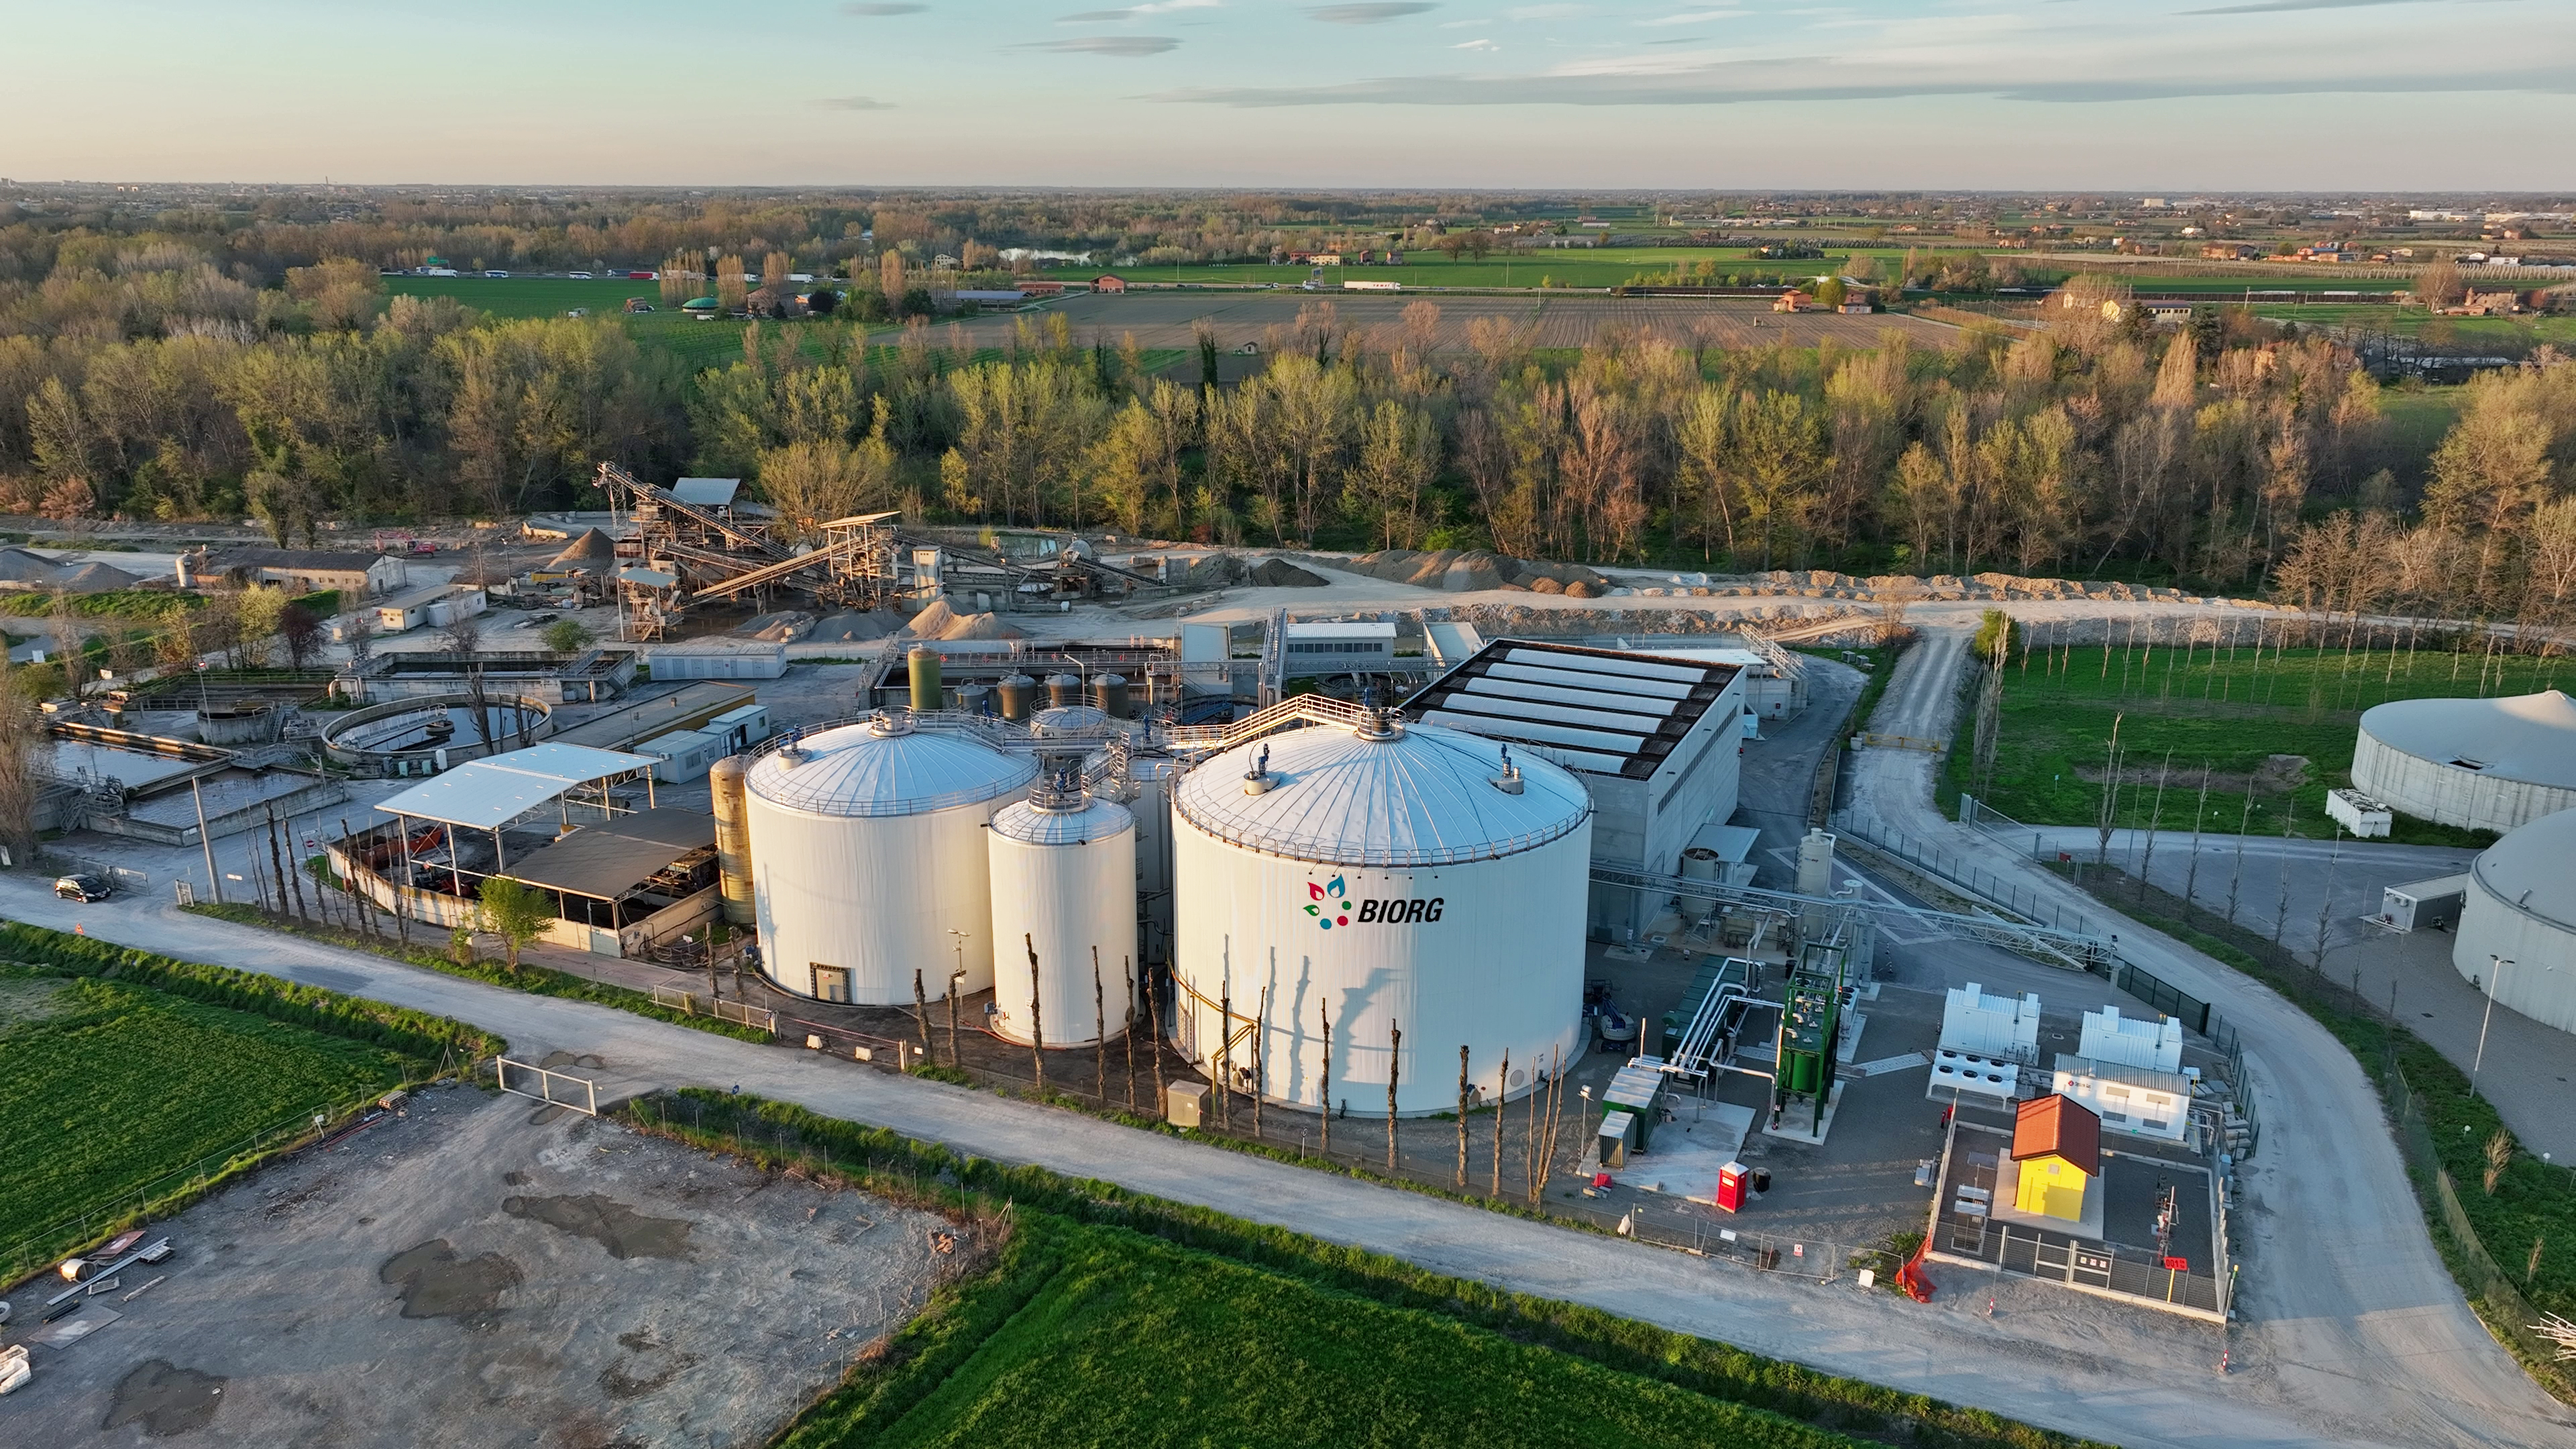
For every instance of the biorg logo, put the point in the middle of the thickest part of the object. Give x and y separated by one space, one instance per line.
1330 907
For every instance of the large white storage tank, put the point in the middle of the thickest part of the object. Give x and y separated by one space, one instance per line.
2519 908
1064 886
867 851
2479 764
1389 877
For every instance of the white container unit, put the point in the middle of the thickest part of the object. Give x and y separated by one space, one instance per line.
1387 877
1064 885
867 851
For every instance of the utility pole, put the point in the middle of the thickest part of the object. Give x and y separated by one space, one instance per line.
1394 1071
1037 1023
214 877
1462 1117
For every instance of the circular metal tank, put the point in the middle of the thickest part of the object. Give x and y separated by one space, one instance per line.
1069 720
923 662
975 698
1019 697
733 837
1109 692
1064 885
868 850
1388 876
2479 764
1063 691
2518 907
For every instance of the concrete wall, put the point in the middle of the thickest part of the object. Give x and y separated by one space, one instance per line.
1645 825
2541 982
2448 795
748 663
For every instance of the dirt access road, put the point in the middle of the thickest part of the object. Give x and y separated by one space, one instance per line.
2378 1349
2346 1309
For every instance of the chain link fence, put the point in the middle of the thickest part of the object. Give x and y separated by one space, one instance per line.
2489 1287
36 1251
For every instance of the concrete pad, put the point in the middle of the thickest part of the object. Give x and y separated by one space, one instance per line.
2008 1187
1801 1123
1688 1152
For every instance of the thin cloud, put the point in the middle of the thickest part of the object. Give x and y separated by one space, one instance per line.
1475 45
1373 14
864 10
1130 46
1134 12
1754 81
854 103
1694 17
2267 7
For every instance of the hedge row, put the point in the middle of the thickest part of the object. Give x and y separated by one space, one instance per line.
891 1164
412 1033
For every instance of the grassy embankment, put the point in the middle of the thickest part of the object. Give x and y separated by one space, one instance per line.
1116 1318
2227 710
134 1081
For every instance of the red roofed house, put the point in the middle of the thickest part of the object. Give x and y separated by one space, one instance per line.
1107 283
2057 1142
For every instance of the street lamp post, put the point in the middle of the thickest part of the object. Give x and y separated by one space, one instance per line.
956 984
2495 968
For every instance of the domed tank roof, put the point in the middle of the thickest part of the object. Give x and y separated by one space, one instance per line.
2528 868
1386 795
1096 819
2527 737
885 767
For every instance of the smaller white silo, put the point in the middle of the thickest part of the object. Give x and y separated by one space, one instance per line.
1064 888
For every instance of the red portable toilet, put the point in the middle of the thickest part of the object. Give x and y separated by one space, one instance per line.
1731 1182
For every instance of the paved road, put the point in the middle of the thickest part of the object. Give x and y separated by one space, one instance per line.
2351 1317
2368 1344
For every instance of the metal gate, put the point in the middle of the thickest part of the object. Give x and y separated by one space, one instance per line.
578 1094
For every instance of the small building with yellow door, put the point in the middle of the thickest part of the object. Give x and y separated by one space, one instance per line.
2057 1145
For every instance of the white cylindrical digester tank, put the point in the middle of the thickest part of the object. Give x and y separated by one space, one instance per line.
1064 885
868 851
1388 877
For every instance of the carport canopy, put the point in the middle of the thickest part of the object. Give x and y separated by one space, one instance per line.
606 862
488 794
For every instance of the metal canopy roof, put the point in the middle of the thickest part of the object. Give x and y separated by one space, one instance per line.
1425 796
608 861
2528 737
487 794
1595 710
705 492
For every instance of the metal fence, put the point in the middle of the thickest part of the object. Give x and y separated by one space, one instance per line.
2508 1314
1965 1233
2019 897
697 1004
558 1089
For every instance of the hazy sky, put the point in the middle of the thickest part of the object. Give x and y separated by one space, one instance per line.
2171 94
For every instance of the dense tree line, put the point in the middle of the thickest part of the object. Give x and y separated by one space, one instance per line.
151 382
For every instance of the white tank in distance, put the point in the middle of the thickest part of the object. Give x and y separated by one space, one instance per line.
868 851
1064 888
1389 877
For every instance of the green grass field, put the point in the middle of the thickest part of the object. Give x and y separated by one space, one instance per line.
109 1086
2205 707
1112 1337
1606 267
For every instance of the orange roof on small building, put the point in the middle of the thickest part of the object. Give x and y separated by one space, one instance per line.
2058 1126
